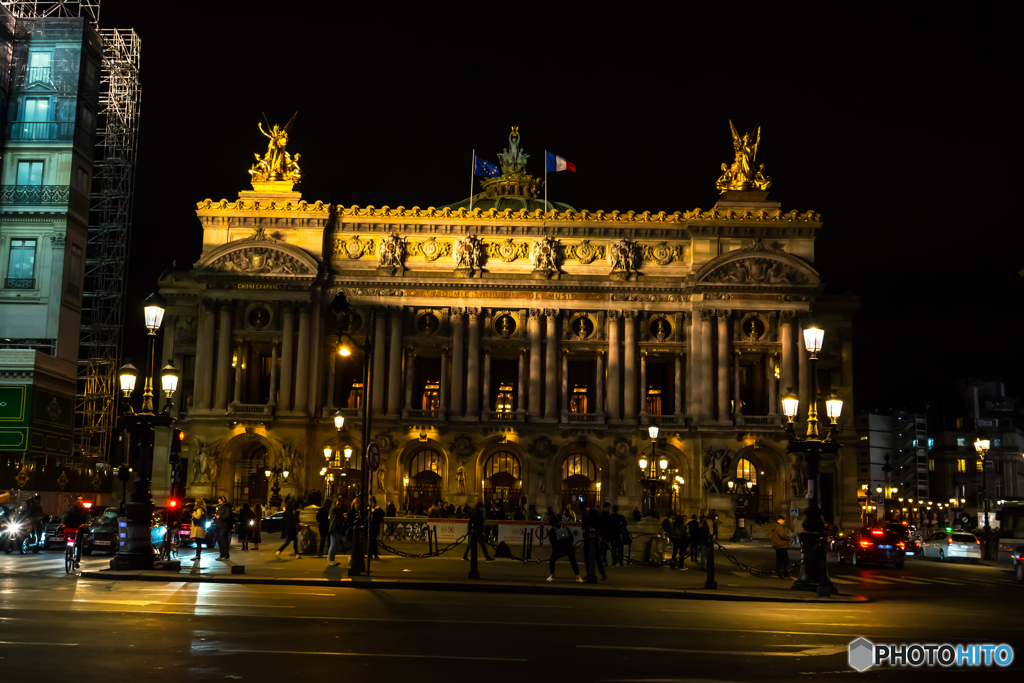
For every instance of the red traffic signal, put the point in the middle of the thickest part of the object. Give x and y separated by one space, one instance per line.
180 434
172 503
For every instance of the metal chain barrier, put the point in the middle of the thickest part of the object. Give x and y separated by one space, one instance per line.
754 570
415 556
494 544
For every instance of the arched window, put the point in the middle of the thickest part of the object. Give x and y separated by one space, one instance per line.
502 461
579 463
746 470
425 461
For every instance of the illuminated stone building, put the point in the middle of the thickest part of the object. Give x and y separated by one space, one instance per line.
519 350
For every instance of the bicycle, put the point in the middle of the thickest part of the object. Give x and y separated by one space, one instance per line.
168 548
73 547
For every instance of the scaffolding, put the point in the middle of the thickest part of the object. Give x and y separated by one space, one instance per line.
110 219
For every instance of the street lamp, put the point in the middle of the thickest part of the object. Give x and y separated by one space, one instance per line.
137 550
327 453
814 571
405 488
982 445
276 473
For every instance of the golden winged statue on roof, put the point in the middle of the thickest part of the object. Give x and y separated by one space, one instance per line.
741 174
277 163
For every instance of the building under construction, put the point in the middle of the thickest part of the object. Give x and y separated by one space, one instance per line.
69 92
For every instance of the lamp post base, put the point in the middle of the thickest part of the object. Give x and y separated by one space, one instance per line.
813 572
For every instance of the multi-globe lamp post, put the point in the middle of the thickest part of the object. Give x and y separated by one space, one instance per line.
981 445
137 550
813 571
652 431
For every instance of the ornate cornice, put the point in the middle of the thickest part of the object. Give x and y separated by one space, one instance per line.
263 206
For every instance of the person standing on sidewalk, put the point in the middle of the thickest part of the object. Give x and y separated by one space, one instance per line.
704 539
256 535
323 521
198 533
290 530
225 520
376 519
780 541
562 544
336 530
617 531
475 533
591 539
245 526
680 539
606 513
714 523
693 527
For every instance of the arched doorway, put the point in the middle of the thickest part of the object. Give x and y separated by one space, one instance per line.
344 475
425 483
250 481
580 476
503 483
754 494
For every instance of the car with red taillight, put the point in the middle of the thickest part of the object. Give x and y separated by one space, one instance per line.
951 545
873 546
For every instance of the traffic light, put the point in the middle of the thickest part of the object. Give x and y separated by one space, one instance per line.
176 438
172 503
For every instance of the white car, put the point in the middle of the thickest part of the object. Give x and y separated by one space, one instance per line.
946 545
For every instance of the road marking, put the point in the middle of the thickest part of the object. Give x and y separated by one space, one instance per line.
836 580
952 582
811 651
913 581
375 654
12 642
870 579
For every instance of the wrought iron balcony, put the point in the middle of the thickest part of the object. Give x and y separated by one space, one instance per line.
42 131
37 74
35 194
265 409
585 417
19 283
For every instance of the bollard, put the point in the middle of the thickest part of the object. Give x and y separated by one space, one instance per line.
709 552
590 547
474 573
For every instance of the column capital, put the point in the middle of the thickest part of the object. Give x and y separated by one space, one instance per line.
58 240
303 306
787 316
474 312
687 316
723 313
551 312
456 312
706 314
614 315
629 316
535 313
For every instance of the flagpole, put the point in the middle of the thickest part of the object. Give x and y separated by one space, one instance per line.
472 173
545 186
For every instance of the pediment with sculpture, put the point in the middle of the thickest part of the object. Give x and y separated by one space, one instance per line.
259 255
758 264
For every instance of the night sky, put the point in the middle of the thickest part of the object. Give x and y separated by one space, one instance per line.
899 132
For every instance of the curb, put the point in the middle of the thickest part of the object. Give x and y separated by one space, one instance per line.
482 587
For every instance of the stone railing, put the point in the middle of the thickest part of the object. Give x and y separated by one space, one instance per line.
758 420
438 414
495 416
585 417
250 409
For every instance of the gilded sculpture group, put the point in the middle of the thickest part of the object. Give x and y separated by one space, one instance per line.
741 174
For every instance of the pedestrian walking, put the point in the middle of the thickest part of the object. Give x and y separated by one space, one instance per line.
703 539
245 524
198 533
376 519
475 533
336 531
290 530
693 527
714 523
256 531
323 521
780 541
225 521
562 544
591 544
680 538
618 533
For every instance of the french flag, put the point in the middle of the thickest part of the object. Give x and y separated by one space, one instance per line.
557 163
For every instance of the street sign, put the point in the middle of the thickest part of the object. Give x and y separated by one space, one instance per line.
793 512
373 456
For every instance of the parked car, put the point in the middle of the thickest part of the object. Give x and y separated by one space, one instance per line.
273 524
949 545
874 545
103 535
909 536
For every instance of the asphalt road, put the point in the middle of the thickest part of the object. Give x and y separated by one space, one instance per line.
52 625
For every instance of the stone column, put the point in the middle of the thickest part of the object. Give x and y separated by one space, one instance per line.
565 387
534 396
643 384
487 381
707 394
410 379
204 358
380 331
332 362
287 357
599 390
520 406
302 364
220 400
723 365
696 362
786 341
614 369
773 384
473 366
457 363
737 405
551 367
444 382
806 384
679 385
273 376
239 378
630 410
395 365
58 244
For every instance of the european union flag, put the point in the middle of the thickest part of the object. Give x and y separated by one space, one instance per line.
484 168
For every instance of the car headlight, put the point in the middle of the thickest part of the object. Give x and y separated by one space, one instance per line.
252 522
208 525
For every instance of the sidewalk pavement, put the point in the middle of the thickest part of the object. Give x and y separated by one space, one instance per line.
449 573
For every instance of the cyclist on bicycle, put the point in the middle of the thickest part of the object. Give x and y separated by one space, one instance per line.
75 518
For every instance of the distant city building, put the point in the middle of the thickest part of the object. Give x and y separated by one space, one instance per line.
50 94
521 350
900 441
